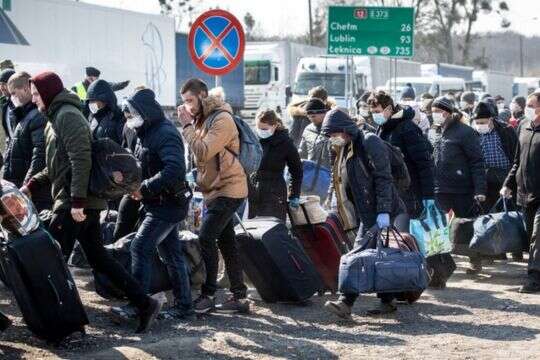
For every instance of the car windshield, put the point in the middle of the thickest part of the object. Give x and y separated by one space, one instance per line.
257 72
333 83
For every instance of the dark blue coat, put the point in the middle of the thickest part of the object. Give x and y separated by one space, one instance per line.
160 150
109 121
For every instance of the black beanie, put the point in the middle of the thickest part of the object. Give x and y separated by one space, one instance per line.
316 106
483 111
92 71
6 74
443 103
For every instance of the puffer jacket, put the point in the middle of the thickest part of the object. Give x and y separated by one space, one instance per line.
315 146
68 155
160 149
402 132
219 172
299 121
459 163
25 156
109 121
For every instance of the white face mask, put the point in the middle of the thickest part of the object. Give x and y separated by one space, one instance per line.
93 106
379 119
338 141
530 113
463 105
500 106
364 113
135 122
438 119
482 128
265 134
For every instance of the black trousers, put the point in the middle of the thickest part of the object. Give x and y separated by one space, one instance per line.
128 216
65 230
532 220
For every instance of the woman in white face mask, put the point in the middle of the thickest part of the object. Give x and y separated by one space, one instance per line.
268 193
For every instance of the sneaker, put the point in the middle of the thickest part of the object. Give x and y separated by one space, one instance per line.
204 304
233 306
338 308
530 287
124 313
384 308
177 313
149 315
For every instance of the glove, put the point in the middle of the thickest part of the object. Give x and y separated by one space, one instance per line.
294 202
428 203
383 220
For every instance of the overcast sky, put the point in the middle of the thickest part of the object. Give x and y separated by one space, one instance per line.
279 17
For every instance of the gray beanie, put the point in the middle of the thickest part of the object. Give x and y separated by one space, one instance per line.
443 103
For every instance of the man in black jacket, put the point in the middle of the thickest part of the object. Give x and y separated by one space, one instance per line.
106 118
6 107
460 178
397 127
525 174
25 155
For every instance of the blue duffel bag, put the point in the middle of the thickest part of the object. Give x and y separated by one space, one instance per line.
499 233
382 270
316 179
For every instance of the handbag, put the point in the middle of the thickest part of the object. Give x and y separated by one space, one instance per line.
431 231
500 232
310 207
382 270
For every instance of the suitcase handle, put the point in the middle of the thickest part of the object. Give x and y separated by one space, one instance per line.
295 262
54 290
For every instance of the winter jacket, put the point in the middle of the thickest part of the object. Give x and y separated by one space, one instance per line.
315 146
508 138
459 163
25 155
7 117
299 121
369 177
219 172
269 195
160 149
402 132
109 121
525 173
68 155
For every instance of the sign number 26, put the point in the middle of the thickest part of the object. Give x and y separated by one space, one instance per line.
406 27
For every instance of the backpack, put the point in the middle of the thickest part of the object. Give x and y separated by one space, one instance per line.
400 173
251 153
110 159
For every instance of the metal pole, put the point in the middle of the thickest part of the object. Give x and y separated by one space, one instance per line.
346 82
395 78
218 81
310 24
521 55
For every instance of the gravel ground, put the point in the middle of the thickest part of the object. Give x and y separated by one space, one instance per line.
481 317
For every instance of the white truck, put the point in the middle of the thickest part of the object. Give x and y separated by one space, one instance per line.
376 71
68 36
435 85
531 83
494 83
269 69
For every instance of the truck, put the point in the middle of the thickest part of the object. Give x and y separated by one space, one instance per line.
364 73
532 83
435 85
68 36
232 83
448 70
493 83
269 70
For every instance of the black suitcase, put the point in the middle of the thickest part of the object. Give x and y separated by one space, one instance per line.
43 286
276 262
440 267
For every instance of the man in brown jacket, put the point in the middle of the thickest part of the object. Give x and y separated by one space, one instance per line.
213 139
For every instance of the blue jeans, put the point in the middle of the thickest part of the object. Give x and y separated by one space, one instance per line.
156 233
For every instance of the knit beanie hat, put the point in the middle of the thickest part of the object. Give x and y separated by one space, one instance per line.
92 71
315 106
443 103
48 84
5 75
483 111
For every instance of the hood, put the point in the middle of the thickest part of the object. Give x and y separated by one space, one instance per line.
336 121
144 102
403 113
211 103
101 90
65 97
297 108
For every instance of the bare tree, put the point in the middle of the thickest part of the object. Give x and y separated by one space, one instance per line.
249 21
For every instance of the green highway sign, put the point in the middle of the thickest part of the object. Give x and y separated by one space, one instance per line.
371 31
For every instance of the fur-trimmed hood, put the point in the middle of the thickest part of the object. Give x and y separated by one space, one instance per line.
211 103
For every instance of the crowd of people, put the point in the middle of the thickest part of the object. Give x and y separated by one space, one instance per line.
461 153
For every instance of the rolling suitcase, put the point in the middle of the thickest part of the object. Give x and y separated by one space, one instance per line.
275 262
324 243
43 286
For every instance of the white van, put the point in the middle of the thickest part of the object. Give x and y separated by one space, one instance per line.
436 85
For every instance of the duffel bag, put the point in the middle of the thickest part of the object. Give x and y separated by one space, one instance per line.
461 233
499 233
382 270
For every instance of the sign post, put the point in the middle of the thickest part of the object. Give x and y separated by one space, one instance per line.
216 43
371 31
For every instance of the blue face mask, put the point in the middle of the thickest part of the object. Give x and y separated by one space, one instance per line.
379 118
264 134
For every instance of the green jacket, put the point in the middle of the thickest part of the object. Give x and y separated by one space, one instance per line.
68 152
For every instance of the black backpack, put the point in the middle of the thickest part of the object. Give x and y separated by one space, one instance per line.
115 171
400 173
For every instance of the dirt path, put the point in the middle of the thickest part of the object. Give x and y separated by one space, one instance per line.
474 318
